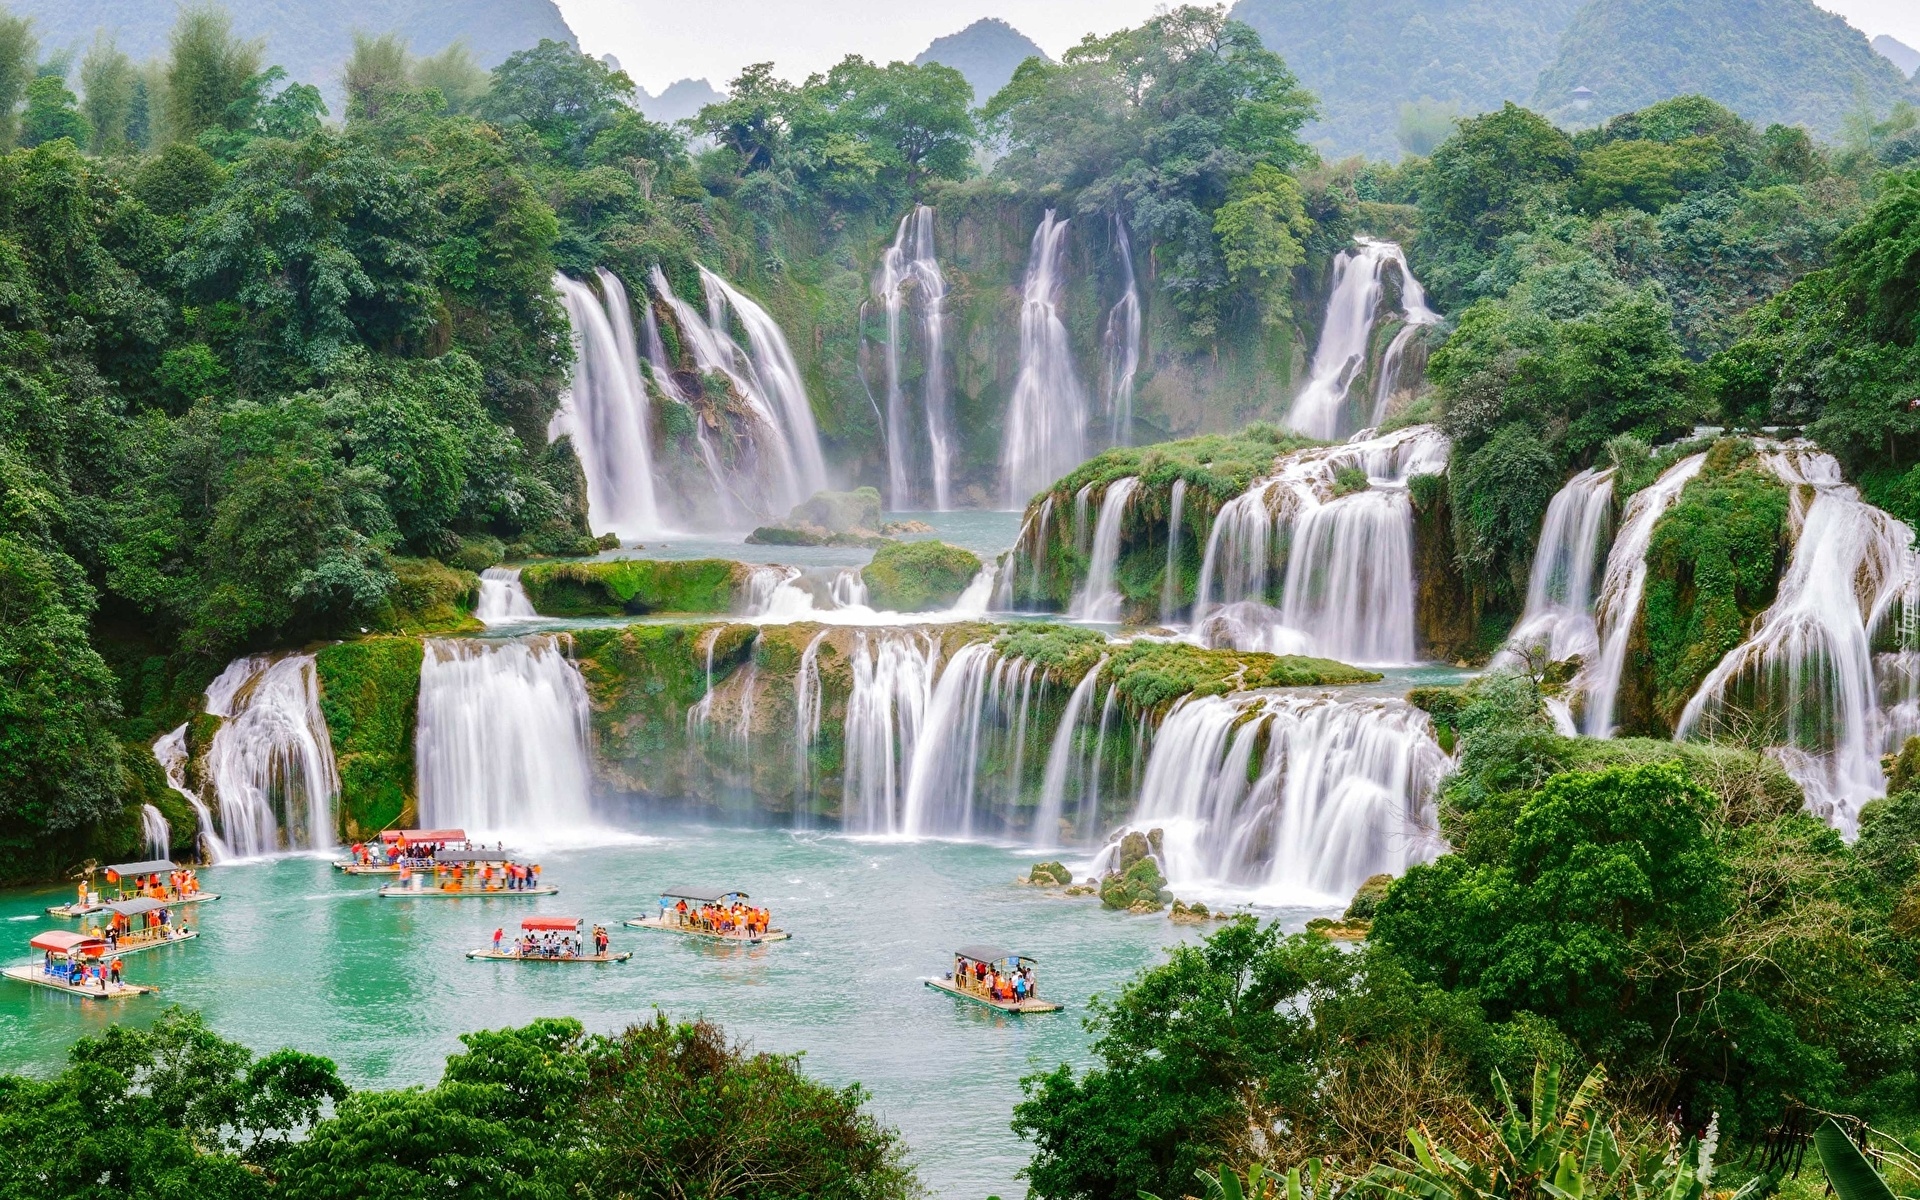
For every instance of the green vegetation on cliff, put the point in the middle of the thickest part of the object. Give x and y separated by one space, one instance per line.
1712 566
1152 676
918 576
369 693
635 586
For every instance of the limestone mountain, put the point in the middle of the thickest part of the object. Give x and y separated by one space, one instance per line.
1783 61
986 52
1898 53
678 100
312 39
1391 74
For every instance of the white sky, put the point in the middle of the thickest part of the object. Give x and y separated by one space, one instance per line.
659 41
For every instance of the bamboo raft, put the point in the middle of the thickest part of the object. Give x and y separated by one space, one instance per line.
448 893
37 975
467 873
125 947
120 871
771 935
509 956
1029 1005
405 838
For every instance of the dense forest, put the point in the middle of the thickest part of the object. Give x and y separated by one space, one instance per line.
272 374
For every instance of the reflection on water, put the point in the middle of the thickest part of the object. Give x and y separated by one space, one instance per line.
297 954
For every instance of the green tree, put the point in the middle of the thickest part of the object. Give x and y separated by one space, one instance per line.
53 112
1262 231
380 67
460 81
109 81
209 73
565 98
19 51
1492 177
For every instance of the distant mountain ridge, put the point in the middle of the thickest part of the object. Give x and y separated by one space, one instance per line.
1898 53
1782 61
312 39
986 52
677 101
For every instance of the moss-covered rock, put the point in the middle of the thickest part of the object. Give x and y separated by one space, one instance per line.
1366 901
1135 884
369 691
918 576
635 586
1151 676
827 519
1050 874
1712 566
428 597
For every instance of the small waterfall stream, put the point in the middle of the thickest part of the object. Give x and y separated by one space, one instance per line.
501 742
171 752
1046 421
1062 758
1122 344
910 265
605 411
1348 585
1558 616
1170 585
157 834
1099 597
1288 798
503 600
270 763
1340 357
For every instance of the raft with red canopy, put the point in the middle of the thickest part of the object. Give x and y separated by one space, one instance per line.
74 963
547 938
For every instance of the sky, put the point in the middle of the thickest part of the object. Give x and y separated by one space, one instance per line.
659 41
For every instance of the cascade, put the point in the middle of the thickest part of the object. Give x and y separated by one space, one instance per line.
910 262
156 832
779 595
500 746
1621 588
1805 674
848 589
1099 598
661 369
789 466
1413 298
171 752
605 411
806 724
1559 611
1046 422
1170 585
1062 756
503 599
892 683
1348 587
1122 344
1289 798
1341 355
271 761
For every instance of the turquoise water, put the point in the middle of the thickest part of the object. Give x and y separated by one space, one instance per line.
987 533
297 954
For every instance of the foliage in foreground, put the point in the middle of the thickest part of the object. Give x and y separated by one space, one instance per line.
540 1112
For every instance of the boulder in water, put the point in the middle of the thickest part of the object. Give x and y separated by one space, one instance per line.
1049 874
1366 901
1137 885
827 519
918 576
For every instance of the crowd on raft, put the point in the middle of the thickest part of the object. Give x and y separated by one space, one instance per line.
401 852
488 877
77 972
985 980
552 944
726 920
180 884
155 925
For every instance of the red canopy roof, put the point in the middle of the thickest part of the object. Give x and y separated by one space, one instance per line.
66 941
562 924
424 835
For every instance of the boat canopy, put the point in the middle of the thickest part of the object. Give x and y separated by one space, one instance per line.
990 954
66 941
449 857
424 835
556 924
150 867
133 908
705 895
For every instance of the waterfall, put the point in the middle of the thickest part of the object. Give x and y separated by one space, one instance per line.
1061 758
1289 798
155 830
1413 298
1559 611
503 600
1122 344
943 774
1046 421
806 724
892 684
849 588
1170 585
1099 598
1348 587
1805 675
788 463
1341 355
661 368
605 411
501 742
171 753
271 761
910 262
1621 589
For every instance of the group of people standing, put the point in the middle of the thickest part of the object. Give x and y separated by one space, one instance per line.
727 920
987 980
80 973
552 944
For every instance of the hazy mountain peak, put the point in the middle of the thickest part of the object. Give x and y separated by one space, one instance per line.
986 52
1898 53
677 101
